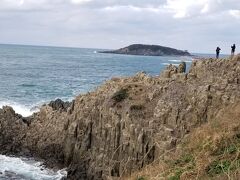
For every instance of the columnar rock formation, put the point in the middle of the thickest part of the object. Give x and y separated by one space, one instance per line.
126 123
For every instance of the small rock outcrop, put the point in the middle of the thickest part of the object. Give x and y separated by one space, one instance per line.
126 123
172 70
182 67
58 104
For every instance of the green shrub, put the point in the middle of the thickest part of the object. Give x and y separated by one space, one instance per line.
218 167
120 95
231 149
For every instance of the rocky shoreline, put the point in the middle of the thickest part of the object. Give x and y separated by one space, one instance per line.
126 123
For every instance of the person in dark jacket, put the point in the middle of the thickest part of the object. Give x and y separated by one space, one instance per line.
218 52
233 47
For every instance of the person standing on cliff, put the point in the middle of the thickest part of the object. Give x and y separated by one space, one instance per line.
218 52
233 47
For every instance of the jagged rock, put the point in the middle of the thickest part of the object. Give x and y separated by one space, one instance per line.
97 140
170 70
182 67
58 104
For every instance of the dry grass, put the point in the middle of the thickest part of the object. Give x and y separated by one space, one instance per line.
211 151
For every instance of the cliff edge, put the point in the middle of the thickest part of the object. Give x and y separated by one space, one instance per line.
126 123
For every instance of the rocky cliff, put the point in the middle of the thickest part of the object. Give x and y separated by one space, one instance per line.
126 123
148 50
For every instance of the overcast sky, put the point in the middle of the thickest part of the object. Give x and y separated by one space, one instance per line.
194 25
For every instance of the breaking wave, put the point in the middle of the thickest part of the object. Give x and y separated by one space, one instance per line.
178 60
25 169
20 109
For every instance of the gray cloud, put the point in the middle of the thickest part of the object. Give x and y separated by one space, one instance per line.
196 25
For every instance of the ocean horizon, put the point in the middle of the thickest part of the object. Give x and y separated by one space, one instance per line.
34 75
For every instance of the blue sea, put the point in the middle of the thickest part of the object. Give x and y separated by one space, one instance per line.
34 75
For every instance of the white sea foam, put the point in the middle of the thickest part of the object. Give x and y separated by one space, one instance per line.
20 109
24 169
175 60
166 64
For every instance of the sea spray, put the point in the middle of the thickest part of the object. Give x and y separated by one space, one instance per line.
20 109
179 60
25 169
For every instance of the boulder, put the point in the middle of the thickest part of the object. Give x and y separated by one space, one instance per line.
58 104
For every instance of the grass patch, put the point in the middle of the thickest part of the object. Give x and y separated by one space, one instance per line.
218 167
120 95
227 146
185 163
222 166
226 155
141 178
177 175
184 159
231 149
208 152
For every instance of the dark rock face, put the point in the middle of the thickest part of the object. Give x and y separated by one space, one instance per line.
149 50
58 104
10 123
101 137
182 67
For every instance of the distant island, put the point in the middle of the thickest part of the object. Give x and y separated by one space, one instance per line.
148 50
